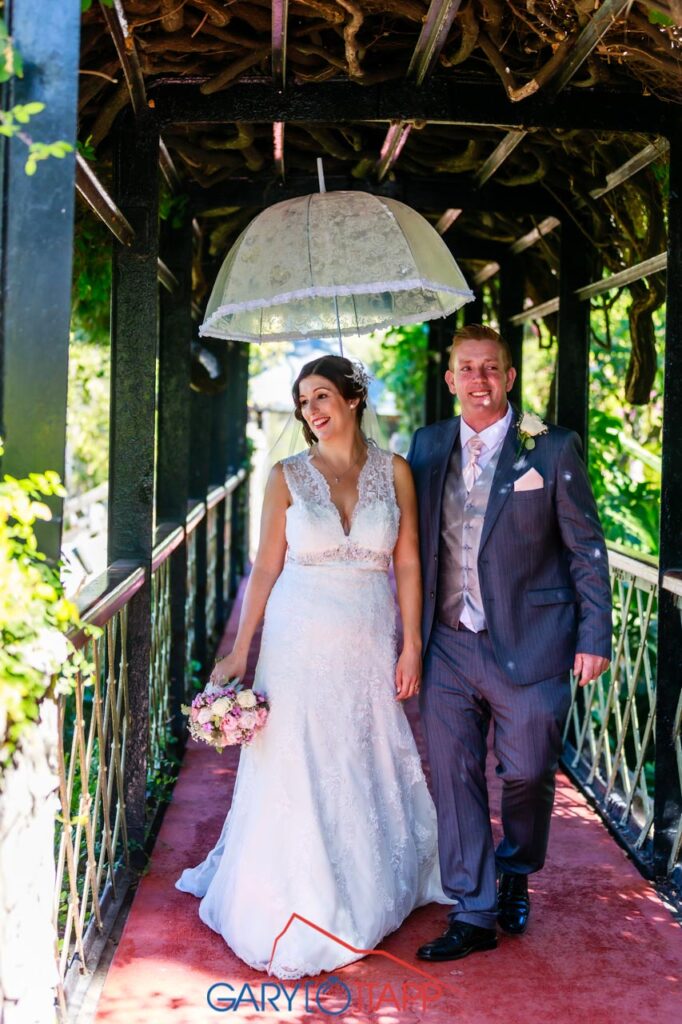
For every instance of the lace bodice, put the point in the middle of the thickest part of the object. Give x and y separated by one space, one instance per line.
314 532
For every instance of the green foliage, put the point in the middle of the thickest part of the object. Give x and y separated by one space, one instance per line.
660 18
402 366
18 115
172 208
86 149
625 440
624 452
34 614
13 121
38 151
11 63
91 290
87 4
87 425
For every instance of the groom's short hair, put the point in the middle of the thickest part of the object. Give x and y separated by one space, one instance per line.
479 332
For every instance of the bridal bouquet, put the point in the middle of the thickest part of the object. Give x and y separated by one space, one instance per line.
226 716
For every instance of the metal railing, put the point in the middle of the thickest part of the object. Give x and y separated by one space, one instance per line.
610 733
94 853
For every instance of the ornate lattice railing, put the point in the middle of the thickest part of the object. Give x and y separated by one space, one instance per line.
161 738
92 850
214 505
672 583
191 588
100 731
610 738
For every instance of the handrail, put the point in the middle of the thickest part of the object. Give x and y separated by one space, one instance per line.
644 567
196 510
625 563
99 601
235 480
672 581
215 496
169 536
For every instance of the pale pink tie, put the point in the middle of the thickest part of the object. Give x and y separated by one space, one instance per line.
472 470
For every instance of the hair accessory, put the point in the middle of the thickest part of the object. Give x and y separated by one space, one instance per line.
360 377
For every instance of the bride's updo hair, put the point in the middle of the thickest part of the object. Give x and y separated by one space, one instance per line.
349 379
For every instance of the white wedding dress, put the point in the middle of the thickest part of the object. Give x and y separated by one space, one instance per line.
331 818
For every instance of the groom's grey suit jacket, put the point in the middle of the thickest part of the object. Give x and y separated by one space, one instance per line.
542 562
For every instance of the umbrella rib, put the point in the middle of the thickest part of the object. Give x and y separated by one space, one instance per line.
307 232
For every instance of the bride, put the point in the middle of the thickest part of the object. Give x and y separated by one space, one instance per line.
331 819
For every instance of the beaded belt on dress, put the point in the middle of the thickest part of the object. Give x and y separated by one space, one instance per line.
349 556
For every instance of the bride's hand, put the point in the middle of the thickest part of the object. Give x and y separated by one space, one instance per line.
231 666
408 673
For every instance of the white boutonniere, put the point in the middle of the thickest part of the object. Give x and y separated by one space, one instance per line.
528 428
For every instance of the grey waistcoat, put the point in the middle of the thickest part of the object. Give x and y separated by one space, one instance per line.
461 526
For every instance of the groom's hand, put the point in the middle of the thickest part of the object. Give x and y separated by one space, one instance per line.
587 667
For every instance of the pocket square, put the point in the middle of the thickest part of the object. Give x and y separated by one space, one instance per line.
530 481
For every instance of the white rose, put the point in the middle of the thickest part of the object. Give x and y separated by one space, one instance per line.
248 720
221 706
532 425
205 715
246 699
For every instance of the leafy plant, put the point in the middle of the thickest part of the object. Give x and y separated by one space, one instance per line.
624 447
12 121
402 366
35 616
91 290
87 423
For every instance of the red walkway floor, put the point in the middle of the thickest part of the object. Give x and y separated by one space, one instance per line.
601 947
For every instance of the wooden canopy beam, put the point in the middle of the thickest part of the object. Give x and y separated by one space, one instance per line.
117 23
100 202
447 219
654 151
624 277
559 72
91 189
280 15
278 148
536 312
577 53
166 277
545 227
439 101
502 151
485 273
605 284
435 29
168 168
396 137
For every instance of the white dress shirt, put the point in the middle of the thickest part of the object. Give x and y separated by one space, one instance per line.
492 438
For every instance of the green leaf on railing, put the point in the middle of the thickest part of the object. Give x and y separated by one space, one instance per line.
11 63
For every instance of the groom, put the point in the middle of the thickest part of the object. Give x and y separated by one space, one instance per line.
516 593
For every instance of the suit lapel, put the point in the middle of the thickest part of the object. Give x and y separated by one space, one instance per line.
503 480
440 462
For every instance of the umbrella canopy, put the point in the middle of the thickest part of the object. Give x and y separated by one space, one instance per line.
330 265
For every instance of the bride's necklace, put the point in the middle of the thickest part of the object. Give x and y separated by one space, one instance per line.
338 477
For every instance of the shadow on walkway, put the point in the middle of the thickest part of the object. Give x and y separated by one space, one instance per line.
601 947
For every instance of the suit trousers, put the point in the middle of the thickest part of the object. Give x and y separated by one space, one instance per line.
464 689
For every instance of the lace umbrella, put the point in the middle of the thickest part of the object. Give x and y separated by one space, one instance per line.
331 265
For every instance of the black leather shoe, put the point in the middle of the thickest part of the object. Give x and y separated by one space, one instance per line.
460 939
513 903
